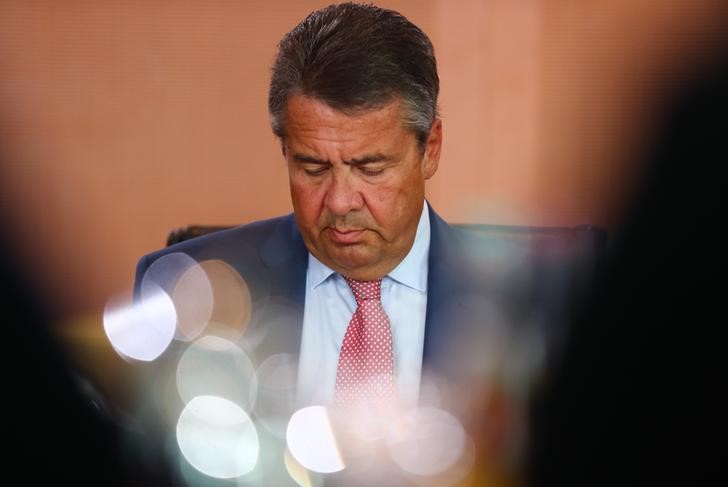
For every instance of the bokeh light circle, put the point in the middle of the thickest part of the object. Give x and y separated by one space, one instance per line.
215 366
311 441
426 441
276 379
193 300
217 437
165 272
298 472
231 301
142 330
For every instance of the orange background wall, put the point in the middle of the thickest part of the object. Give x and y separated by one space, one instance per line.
122 120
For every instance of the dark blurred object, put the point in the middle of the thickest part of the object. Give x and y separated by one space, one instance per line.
53 431
639 397
185 233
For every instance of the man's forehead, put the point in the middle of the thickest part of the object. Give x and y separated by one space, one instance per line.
303 108
311 122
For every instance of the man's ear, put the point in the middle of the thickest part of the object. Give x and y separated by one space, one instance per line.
433 145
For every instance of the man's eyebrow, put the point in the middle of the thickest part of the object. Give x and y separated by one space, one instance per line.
359 161
310 159
367 159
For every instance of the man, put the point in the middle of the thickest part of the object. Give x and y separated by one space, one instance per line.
360 134
353 99
364 283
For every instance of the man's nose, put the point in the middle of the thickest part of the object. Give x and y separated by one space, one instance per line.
343 195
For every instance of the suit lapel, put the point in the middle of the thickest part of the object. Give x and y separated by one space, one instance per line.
441 290
285 257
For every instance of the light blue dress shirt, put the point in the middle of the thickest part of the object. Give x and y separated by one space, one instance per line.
330 305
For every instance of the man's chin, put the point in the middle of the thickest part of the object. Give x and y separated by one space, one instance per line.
352 262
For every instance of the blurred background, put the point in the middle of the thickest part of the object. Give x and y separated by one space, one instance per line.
123 120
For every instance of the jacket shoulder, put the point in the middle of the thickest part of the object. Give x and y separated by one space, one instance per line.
241 246
255 233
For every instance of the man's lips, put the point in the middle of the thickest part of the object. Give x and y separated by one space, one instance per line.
345 236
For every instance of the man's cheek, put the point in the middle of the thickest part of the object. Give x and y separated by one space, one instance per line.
304 194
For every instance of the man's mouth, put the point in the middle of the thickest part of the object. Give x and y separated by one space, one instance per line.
345 235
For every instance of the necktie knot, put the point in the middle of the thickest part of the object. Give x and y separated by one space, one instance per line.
365 290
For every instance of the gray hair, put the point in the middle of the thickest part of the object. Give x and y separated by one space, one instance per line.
355 58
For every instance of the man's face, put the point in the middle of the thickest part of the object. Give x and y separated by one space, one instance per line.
357 183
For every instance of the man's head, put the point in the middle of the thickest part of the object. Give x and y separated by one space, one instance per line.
353 98
357 57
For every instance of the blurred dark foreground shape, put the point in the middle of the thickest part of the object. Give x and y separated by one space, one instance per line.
54 432
638 398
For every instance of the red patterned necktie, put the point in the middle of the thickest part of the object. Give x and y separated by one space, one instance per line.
366 360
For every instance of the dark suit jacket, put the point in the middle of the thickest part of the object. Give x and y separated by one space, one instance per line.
486 296
473 291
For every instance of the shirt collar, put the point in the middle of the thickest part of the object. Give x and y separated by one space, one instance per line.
317 272
411 272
